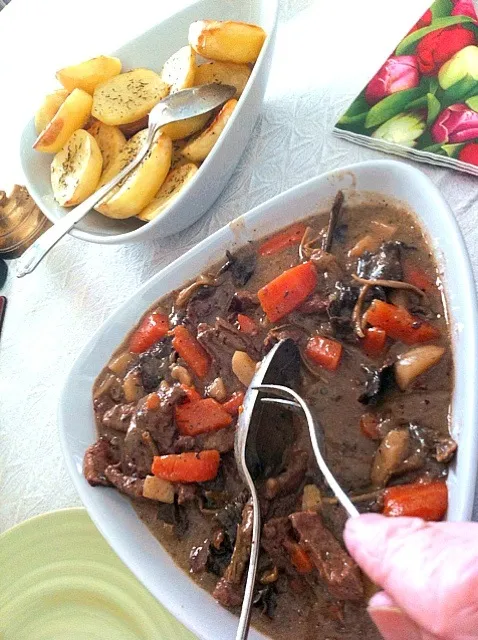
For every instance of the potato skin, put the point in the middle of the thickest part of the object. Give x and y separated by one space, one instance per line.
175 182
128 96
185 128
48 108
76 169
179 69
230 73
72 115
110 140
199 148
135 192
227 41
89 74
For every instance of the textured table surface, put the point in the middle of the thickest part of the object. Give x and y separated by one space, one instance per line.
325 52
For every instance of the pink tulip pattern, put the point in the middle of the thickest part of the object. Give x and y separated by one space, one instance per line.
425 95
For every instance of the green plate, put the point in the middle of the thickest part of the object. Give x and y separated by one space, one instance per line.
59 580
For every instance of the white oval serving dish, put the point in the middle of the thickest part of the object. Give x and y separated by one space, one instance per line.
151 50
114 515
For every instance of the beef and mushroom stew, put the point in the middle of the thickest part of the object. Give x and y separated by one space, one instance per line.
357 290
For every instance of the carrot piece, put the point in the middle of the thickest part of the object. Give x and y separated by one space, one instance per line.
374 342
298 557
234 403
289 290
201 416
417 276
187 467
153 402
426 501
369 426
191 351
283 239
191 394
399 324
154 327
246 324
324 352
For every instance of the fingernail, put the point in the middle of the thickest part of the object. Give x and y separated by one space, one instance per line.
381 600
393 624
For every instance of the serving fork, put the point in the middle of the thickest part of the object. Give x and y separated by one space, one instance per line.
256 436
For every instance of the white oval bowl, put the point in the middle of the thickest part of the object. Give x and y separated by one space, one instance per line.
151 50
113 514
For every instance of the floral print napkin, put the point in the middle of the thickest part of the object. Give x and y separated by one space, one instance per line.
423 101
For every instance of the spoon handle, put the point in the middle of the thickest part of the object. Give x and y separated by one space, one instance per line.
245 617
39 249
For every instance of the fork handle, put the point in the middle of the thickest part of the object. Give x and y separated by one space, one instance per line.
39 249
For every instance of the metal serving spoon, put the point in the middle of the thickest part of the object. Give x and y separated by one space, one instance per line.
257 440
177 106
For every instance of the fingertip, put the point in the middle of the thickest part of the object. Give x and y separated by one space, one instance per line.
357 530
393 624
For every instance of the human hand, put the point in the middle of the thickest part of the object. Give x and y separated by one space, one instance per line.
429 573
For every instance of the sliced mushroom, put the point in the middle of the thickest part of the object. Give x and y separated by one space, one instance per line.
311 498
413 363
389 457
132 386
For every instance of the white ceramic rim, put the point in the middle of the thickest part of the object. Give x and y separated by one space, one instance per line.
465 384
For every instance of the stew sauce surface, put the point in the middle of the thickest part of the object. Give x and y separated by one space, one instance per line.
359 403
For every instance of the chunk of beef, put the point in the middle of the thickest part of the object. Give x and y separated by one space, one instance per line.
154 364
275 335
210 302
198 556
97 458
242 265
377 381
445 449
334 564
138 451
228 593
220 342
222 440
186 493
385 264
130 485
119 416
275 533
316 304
243 300
292 476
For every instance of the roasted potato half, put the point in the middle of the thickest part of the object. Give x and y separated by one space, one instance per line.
179 69
76 169
50 105
128 96
235 75
185 128
227 41
134 193
89 74
110 140
175 182
72 115
197 149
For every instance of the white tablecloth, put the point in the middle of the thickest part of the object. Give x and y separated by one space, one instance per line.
325 52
